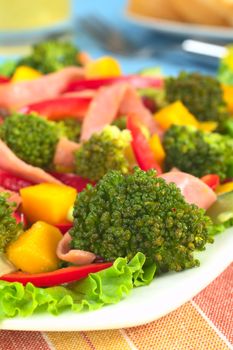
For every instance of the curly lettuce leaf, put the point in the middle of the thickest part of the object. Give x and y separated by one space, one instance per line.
225 72
108 286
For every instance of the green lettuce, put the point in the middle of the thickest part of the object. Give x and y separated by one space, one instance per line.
108 286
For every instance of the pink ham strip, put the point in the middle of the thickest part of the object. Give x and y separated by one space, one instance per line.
12 164
16 95
64 155
108 103
14 196
193 189
77 257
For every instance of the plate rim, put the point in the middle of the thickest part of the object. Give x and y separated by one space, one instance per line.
180 28
102 319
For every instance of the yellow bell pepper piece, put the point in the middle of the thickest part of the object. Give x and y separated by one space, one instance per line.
35 250
228 97
157 148
175 113
23 73
105 66
47 202
227 187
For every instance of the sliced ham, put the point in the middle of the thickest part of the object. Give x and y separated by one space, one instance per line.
74 256
64 155
12 164
16 95
14 196
120 98
193 189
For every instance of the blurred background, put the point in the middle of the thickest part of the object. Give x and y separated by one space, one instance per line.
156 29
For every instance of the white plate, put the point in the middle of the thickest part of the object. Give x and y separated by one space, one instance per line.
145 304
180 28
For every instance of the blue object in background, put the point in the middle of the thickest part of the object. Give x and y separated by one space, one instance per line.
171 62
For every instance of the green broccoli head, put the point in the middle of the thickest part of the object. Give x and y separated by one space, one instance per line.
9 229
197 152
51 56
125 214
32 138
103 152
201 94
70 128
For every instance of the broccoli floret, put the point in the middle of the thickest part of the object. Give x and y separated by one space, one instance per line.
201 94
50 56
70 128
197 152
120 122
9 229
102 152
31 137
139 212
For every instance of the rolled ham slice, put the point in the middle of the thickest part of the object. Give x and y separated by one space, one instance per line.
16 95
12 164
110 101
74 256
64 155
193 189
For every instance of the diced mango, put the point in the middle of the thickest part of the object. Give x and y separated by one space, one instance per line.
105 66
228 97
175 113
227 187
47 202
23 73
208 126
35 250
157 148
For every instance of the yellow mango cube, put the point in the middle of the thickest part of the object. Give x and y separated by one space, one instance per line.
47 202
175 113
35 250
157 148
25 73
105 66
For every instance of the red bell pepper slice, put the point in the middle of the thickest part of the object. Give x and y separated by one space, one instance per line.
211 180
135 80
4 79
57 277
78 182
60 108
64 227
141 147
20 218
11 182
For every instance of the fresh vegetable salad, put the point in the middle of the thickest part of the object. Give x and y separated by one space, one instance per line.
106 180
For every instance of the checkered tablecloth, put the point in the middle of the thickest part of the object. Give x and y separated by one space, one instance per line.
204 323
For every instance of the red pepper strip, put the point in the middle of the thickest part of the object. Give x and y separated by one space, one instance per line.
60 108
64 227
4 80
212 180
141 147
134 80
78 182
57 277
20 218
11 182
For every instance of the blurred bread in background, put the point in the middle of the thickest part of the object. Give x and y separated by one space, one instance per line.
154 8
207 12
198 12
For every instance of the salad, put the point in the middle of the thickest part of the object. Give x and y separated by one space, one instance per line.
107 181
